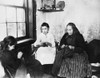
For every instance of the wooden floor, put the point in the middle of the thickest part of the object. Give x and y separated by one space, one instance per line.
22 73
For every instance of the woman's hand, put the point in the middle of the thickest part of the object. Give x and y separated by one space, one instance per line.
19 55
48 44
39 45
71 47
43 44
63 46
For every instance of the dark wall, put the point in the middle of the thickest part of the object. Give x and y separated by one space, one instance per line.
31 19
93 50
34 19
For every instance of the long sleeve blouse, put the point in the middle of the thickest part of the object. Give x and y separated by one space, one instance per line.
75 40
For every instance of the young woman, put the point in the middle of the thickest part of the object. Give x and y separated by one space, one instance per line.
75 62
9 56
46 51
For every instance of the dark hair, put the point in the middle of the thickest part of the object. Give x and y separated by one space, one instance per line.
9 40
45 24
75 30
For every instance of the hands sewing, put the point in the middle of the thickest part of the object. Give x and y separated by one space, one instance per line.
44 44
70 46
47 44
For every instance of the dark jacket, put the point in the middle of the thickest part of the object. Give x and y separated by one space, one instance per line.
75 40
10 61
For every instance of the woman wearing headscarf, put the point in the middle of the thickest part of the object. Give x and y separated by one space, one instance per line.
75 62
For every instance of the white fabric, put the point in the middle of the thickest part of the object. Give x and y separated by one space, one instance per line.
46 55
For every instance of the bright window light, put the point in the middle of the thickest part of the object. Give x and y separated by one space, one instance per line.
20 15
2 31
12 2
2 14
11 14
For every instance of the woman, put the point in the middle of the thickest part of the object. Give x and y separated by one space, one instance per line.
9 56
75 61
46 51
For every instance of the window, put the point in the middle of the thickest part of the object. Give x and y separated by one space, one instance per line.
12 18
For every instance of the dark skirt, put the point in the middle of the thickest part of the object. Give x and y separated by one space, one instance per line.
76 67
57 63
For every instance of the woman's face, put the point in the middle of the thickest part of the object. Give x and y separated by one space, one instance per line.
11 47
44 30
69 30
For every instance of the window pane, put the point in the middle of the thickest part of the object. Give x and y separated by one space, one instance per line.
12 29
21 29
11 14
20 15
2 14
2 31
12 2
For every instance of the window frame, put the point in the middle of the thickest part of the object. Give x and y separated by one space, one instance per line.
25 7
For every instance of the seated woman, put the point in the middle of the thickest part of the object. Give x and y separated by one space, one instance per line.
75 62
9 56
46 51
